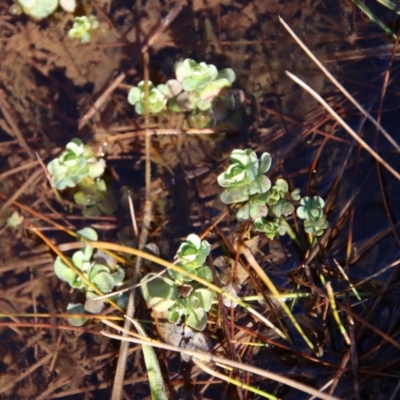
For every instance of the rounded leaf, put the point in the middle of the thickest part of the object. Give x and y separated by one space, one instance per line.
158 287
197 319
64 272
159 304
134 95
89 234
265 163
39 8
205 297
104 281
235 194
76 309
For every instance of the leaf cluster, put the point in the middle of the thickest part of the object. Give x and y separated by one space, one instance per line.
268 206
95 269
199 88
79 168
179 295
83 27
311 210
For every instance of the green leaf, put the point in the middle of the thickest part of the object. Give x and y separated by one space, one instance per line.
89 234
134 95
15 219
76 309
197 319
64 272
260 185
118 276
243 213
235 194
154 374
205 297
265 163
205 273
159 287
160 305
227 74
39 8
174 316
104 281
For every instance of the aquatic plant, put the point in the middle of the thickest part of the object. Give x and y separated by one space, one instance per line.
157 100
198 88
311 210
80 169
83 27
105 276
245 184
39 9
75 164
182 299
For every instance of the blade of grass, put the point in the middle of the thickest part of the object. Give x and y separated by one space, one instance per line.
232 381
335 313
339 86
166 264
344 124
353 289
264 277
374 18
156 382
207 357
390 5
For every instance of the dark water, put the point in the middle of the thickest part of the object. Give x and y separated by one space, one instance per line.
248 37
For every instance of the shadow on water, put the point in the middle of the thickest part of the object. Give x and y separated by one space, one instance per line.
308 149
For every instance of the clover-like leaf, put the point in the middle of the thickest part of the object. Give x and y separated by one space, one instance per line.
197 319
158 287
193 251
205 297
83 27
227 74
102 279
134 95
64 272
205 273
159 304
260 185
235 194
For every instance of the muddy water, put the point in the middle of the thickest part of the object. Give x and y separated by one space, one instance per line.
49 82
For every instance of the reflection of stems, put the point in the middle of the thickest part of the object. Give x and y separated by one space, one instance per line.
289 231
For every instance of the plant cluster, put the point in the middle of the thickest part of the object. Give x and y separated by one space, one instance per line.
245 183
311 210
199 88
178 294
101 272
39 9
80 169
83 28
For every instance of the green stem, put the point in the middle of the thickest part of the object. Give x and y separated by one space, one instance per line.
290 231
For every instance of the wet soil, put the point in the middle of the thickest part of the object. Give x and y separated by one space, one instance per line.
48 83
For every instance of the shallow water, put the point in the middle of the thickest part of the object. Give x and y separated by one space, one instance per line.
47 88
